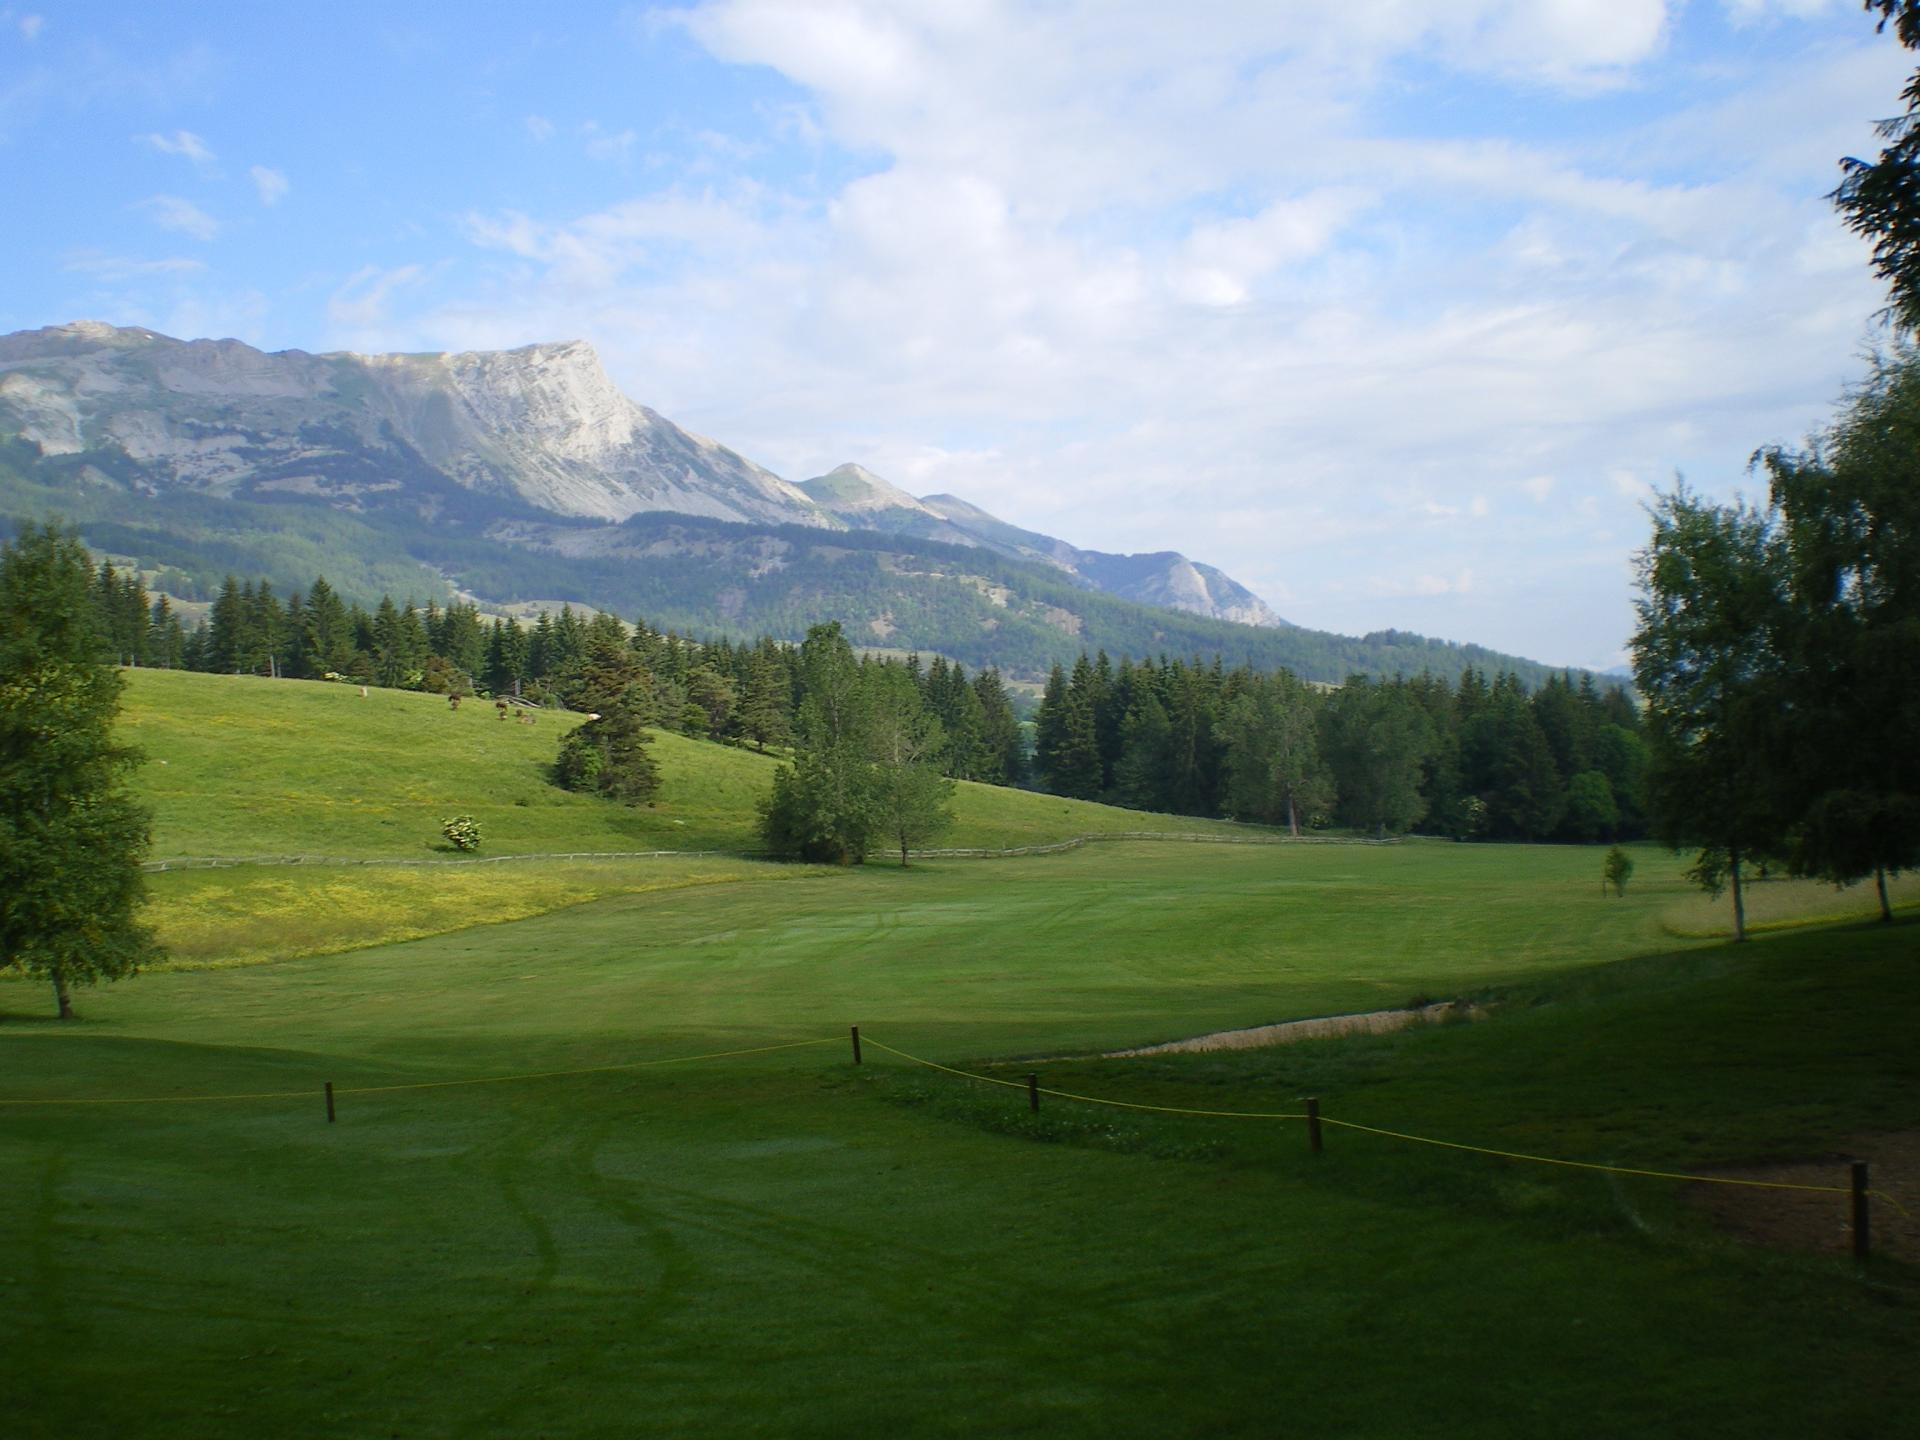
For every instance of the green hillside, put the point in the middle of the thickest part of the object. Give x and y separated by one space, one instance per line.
243 766
239 766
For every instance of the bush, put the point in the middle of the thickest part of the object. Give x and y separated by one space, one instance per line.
1619 870
462 832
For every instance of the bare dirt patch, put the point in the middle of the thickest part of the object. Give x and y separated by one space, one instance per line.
1820 1222
1371 1022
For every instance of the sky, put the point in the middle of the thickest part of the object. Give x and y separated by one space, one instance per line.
1397 312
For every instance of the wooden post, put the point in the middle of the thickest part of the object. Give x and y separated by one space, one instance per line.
1033 1093
329 1102
855 1031
1313 1123
1862 1228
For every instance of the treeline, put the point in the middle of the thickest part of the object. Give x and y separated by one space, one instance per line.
1483 759
1480 760
746 693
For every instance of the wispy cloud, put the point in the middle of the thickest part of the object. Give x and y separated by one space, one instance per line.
272 185
116 269
31 26
360 306
172 212
541 128
184 143
603 144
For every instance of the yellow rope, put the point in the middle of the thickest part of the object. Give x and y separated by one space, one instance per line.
307 1094
1088 1099
1395 1135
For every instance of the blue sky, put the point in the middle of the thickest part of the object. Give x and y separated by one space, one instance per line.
1395 312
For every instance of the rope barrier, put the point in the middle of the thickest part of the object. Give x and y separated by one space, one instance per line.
1395 1135
307 1094
1088 1099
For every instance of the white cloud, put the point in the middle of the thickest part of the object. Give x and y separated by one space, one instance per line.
171 212
359 308
605 144
1223 260
31 26
272 185
184 143
116 269
541 128
1104 270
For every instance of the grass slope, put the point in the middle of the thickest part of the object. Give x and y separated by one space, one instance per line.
780 1245
239 765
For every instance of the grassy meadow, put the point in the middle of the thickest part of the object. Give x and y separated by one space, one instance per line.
782 1244
238 765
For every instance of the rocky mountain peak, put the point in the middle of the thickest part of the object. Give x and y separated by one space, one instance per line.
852 490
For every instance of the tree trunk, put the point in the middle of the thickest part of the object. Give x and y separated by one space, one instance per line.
1880 882
903 853
61 993
1293 817
1739 900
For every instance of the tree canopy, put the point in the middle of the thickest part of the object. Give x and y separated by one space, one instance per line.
1880 198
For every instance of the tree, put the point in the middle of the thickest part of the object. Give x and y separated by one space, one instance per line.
1374 738
906 742
71 837
1617 870
1850 525
823 806
1712 594
1273 754
764 701
1880 199
609 755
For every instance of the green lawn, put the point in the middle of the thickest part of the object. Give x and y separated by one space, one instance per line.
781 1245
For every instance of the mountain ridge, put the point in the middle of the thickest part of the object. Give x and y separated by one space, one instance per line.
501 473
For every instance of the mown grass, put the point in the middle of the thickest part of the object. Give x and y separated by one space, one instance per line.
781 1245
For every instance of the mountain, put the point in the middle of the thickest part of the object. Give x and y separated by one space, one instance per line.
1165 578
525 475
540 427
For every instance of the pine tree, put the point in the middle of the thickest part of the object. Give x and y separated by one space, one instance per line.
71 837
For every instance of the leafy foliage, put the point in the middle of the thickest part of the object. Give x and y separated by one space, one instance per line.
462 832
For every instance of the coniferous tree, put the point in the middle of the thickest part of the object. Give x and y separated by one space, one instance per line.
71 836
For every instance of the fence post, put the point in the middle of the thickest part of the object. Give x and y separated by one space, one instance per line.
855 1032
329 1102
1862 1227
1313 1123
1033 1093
